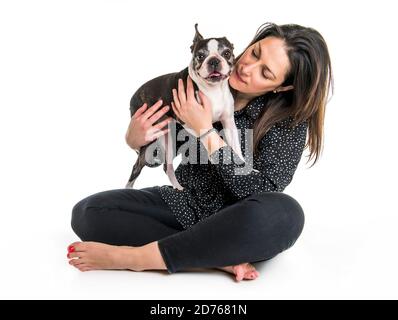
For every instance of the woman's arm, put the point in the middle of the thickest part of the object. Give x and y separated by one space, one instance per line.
142 131
280 151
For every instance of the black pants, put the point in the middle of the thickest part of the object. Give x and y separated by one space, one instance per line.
256 228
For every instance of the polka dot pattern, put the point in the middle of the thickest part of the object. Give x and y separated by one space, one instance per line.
208 187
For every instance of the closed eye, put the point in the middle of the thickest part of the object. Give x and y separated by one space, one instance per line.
262 73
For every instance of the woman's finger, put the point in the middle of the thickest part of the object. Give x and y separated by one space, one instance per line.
181 91
140 111
176 111
176 99
204 100
190 90
158 114
160 125
152 110
159 133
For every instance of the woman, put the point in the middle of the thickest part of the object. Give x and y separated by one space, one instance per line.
280 84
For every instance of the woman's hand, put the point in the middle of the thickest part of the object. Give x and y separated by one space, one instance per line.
197 116
141 130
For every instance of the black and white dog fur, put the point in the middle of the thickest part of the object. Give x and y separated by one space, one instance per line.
211 65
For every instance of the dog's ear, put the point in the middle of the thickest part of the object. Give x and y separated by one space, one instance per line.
232 45
197 37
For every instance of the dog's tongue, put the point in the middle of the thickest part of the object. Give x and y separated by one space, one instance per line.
215 74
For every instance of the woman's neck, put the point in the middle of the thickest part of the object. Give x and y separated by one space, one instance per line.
240 103
240 99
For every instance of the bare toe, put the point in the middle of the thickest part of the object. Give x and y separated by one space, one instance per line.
242 271
251 272
75 262
239 272
84 267
75 254
245 271
72 246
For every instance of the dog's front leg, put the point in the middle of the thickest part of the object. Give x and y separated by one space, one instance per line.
232 135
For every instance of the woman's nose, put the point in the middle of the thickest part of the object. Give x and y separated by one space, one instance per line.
246 70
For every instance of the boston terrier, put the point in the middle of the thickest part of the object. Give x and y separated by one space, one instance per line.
211 65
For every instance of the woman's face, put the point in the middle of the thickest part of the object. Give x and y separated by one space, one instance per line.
262 67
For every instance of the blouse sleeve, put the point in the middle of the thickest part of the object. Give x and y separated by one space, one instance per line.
280 151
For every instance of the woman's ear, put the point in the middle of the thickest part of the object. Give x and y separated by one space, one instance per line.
287 88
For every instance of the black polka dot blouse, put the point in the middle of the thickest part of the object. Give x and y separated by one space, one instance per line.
208 187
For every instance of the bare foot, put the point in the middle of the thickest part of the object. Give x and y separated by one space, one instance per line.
242 271
87 256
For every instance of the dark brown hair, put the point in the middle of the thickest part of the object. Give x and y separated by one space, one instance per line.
311 75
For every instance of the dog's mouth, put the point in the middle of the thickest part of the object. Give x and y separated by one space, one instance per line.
215 76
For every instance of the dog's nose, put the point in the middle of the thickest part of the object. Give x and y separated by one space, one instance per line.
214 62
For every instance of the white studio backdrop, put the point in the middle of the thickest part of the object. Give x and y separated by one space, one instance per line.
67 72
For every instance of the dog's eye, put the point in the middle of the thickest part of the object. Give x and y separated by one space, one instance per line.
200 56
227 54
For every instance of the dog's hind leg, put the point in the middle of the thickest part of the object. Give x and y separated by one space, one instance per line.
138 165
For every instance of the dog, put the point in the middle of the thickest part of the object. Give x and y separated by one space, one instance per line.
210 67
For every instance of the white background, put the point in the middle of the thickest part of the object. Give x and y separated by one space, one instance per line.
67 72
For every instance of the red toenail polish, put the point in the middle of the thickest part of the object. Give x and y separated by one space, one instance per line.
71 249
67 255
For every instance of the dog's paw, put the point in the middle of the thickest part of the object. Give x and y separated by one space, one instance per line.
179 187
